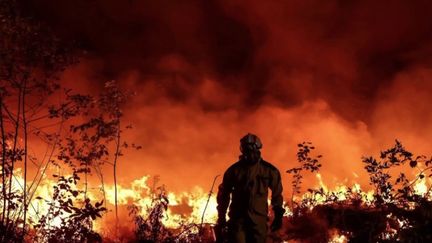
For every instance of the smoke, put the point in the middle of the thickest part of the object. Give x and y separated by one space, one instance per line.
350 76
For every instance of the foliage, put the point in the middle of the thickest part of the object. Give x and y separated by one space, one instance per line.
395 213
66 222
32 59
151 229
307 163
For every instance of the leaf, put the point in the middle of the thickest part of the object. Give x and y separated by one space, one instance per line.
98 204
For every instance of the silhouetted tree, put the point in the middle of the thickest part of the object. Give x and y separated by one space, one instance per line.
31 58
36 110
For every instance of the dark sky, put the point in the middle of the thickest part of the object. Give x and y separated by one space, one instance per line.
281 52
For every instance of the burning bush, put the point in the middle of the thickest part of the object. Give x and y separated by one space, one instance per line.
151 228
65 222
396 211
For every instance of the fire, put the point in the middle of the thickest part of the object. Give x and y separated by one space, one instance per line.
138 193
338 192
420 187
187 206
338 239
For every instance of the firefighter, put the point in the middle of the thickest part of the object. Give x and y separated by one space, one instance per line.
247 182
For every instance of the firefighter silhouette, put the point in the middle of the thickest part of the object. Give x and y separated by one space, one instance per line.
246 183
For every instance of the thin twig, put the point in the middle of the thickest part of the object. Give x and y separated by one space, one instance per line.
208 199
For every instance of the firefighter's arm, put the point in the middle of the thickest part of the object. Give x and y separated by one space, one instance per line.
277 201
223 196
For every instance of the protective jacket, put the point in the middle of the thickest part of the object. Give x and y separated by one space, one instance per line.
247 185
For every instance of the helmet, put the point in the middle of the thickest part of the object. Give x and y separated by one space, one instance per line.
250 142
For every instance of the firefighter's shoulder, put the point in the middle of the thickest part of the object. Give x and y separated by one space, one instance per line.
268 165
234 166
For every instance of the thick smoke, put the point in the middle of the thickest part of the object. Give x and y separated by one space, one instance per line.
350 76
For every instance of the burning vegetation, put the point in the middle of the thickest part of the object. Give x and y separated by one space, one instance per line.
397 209
347 214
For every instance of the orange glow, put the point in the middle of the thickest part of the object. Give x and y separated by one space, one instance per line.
348 77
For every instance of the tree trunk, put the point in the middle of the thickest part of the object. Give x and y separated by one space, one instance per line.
115 171
3 140
25 158
11 172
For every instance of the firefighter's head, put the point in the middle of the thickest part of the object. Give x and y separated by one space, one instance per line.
250 146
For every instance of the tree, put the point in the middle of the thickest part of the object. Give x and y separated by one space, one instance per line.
31 58
80 131
110 103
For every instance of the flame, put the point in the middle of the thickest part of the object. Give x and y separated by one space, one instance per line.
339 192
338 239
139 192
420 187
